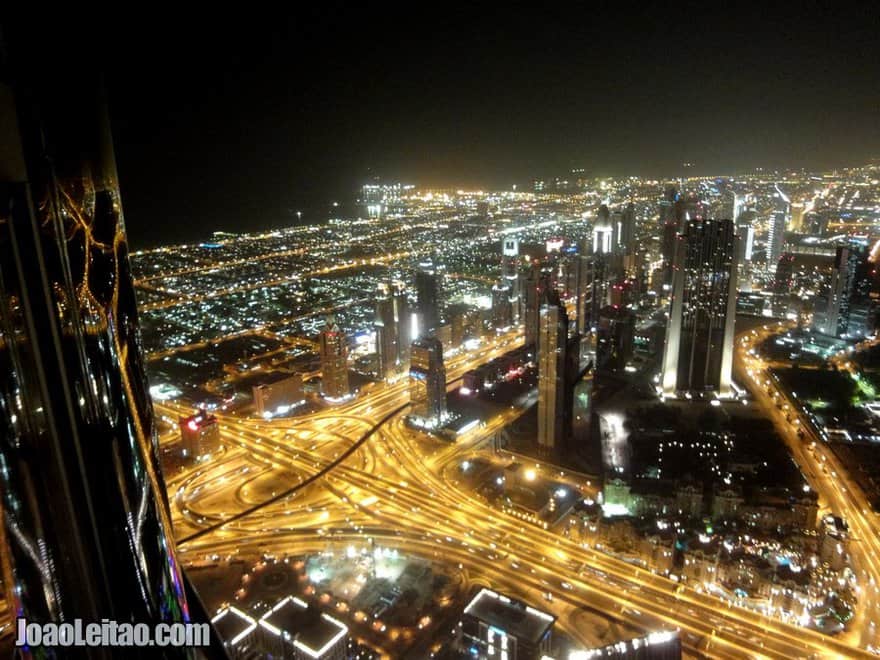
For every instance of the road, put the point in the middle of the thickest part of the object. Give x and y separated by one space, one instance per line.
395 489
838 493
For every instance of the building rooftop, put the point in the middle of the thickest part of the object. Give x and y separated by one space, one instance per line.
512 616
232 625
305 627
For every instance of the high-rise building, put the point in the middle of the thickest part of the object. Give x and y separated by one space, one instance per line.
580 288
698 356
558 358
783 282
428 298
599 287
501 308
510 275
624 223
604 234
405 322
531 289
199 435
840 292
614 338
776 230
385 326
746 231
427 382
83 498
334 361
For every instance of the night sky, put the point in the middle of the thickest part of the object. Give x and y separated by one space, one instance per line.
235 124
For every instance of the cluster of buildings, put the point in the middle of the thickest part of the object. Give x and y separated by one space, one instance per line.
494 625
291 629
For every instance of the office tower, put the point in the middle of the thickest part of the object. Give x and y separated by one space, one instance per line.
797 216
554 374
775 236
530 291
88 528
604 236
783 279
385 326
614 338
510 274
746 232
501 312
776 230
624 224
428 299
698 355
334 361
199 435
582 267
404 321
840 292
599 287
427 382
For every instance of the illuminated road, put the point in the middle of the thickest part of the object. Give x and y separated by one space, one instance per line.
838 493
393 489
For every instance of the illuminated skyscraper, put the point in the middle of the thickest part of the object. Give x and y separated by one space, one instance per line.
427 382
624 223
840 293
558 361
776 231
510 274
334 361
386 335
405 324
698 356
84 509
604 236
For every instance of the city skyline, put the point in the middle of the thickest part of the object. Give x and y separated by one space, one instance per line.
454 336
244 124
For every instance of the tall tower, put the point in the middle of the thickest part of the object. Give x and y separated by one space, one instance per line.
776 232
624 228
531 283
510 274
427 382
698 355
843 276
83 499
386 335
552 364
501 307
334 361
428 298
403 321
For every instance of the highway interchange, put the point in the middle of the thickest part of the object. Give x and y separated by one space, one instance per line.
393 487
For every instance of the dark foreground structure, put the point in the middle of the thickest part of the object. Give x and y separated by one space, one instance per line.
87 529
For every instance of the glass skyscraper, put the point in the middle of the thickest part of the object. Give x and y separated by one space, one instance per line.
87 525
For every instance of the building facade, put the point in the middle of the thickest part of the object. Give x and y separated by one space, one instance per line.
698 355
